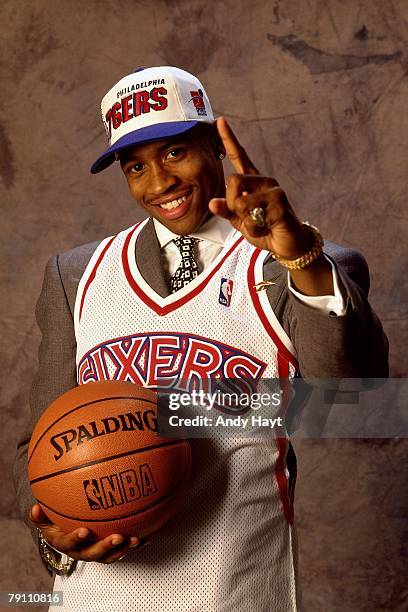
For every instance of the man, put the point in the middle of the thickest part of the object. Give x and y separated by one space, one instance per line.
233 545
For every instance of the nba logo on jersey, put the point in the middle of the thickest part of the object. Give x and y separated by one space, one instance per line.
225 291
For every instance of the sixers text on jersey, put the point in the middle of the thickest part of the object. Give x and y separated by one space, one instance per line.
167 360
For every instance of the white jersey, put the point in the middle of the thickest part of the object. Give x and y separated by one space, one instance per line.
232 546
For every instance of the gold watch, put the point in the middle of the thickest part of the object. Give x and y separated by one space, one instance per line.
49 557
307 258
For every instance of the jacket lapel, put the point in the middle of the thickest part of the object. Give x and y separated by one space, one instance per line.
148 259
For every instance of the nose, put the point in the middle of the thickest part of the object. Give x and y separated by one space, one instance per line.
161 180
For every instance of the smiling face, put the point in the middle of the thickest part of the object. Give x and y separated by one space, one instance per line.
173 179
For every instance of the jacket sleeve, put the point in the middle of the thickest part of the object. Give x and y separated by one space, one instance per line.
333 347
56 372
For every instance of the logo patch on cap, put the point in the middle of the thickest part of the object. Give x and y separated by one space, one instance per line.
225 291
198 100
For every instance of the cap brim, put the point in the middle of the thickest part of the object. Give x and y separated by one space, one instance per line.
147 134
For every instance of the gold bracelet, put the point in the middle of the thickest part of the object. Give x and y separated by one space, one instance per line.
310 256
48 556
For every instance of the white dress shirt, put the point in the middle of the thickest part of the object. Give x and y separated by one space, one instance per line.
213 235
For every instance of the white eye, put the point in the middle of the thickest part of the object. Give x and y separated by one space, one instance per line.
174 153
136 168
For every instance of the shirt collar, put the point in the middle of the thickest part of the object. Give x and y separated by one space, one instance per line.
215 229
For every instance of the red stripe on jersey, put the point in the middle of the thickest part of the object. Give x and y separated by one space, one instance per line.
286 387
93 273
287 498
282 349
163 310
287 506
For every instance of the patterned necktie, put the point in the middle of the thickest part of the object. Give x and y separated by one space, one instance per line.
188 268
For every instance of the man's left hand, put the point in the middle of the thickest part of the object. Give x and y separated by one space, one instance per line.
247 189
282 233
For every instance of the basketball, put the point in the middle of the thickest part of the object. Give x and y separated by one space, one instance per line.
95 460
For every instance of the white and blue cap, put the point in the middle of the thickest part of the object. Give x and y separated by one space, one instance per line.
150 104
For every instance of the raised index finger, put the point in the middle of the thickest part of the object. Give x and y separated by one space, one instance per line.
234 149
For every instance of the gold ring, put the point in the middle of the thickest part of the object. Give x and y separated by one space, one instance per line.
258 216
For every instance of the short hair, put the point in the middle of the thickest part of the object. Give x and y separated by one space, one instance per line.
210 132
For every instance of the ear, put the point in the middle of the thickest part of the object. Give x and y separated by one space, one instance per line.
218 146
220 151
217 143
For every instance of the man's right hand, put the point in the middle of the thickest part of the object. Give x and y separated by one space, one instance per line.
79 544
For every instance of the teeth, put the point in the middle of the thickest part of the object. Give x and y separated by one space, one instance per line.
173 203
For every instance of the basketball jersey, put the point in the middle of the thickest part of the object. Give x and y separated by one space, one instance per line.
232 545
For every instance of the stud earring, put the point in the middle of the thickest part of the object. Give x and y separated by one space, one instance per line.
221 156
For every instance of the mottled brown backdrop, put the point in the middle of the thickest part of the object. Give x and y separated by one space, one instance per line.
317 91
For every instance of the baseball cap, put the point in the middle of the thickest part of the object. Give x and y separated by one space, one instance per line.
150 104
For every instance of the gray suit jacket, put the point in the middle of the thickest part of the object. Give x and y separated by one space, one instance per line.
328 347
